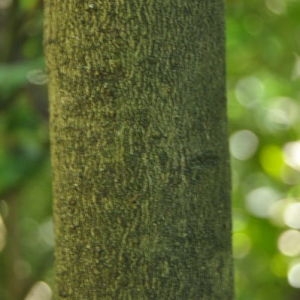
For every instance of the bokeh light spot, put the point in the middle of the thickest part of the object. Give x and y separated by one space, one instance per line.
292 215
2 234
37 76
289 242
241 245
282 114
277 7
243 144
46 233
260 201
276 212
272 161
40 291
294 276
292 154
4 4
249 91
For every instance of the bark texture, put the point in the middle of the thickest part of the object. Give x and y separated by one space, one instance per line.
139 149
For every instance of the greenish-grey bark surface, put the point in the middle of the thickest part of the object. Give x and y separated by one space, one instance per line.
139 149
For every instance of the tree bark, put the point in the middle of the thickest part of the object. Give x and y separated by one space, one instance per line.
139 149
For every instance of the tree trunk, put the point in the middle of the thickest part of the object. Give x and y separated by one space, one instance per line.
139 149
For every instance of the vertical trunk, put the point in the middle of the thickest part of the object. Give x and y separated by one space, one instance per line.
139 151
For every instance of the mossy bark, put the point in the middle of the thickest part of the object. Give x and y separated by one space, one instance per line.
139 149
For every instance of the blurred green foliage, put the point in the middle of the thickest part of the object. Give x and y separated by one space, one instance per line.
263 65
26 238
263 71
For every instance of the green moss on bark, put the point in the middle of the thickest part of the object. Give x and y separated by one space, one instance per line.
139 149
